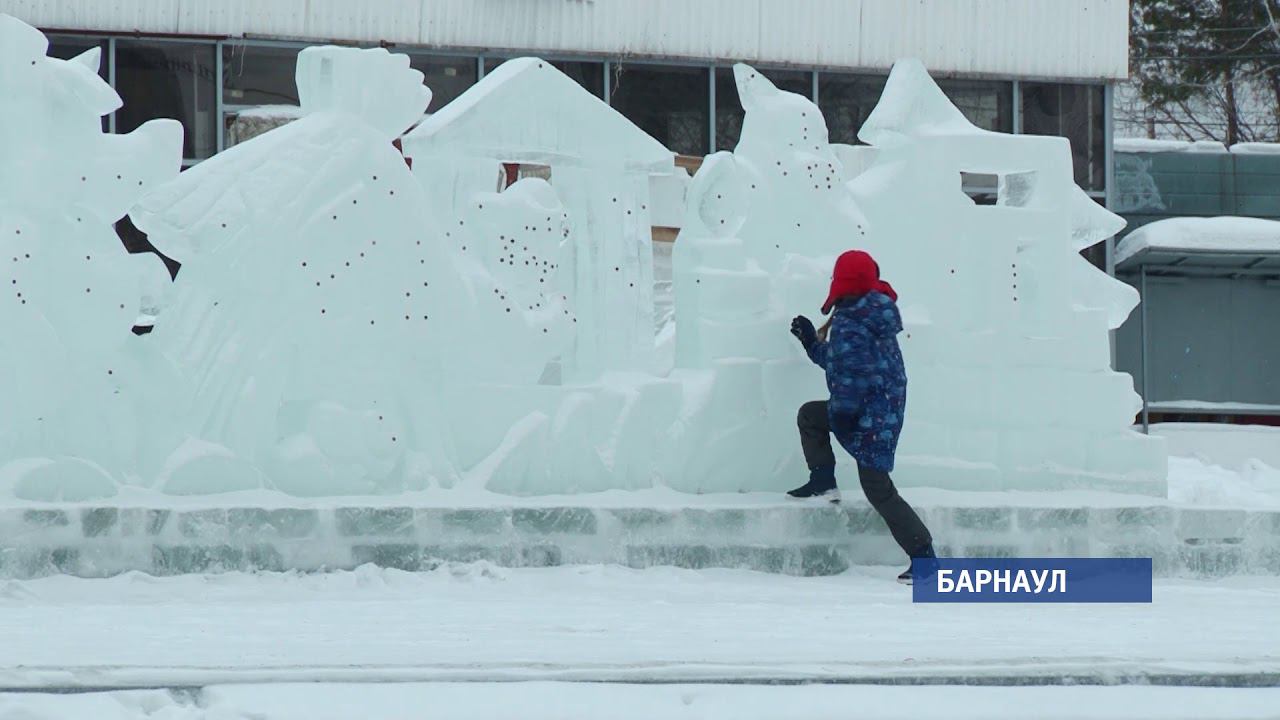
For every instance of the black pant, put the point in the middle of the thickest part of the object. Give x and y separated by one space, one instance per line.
904 524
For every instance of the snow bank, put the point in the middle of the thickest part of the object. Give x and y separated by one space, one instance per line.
1218 465
1191 234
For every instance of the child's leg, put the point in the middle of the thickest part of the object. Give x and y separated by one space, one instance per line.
815 435
904 524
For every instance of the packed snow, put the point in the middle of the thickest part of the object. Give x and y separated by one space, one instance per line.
1225 234
1223 465
560 701
478 622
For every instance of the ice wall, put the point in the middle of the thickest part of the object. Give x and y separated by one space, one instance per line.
70 425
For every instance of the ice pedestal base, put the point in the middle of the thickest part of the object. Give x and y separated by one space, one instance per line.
750 531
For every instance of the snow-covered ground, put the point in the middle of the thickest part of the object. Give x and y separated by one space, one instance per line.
237 641
559 701
480 622
479 641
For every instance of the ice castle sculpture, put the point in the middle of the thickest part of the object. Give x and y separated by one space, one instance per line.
1006 335
70 385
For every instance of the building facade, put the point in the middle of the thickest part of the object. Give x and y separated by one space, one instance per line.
1043 68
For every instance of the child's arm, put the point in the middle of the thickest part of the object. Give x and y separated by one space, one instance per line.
816 349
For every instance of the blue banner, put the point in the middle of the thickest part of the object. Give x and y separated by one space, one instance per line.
1034 580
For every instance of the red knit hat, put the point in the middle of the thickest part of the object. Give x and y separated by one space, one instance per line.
855 274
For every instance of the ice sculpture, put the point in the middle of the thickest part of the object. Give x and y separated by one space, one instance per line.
317 304
763 225
1007 326
344 325
71 388
527 111
596 418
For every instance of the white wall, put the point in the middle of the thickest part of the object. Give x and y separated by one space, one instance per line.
1077 39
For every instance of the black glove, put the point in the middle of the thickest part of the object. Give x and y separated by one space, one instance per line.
804 331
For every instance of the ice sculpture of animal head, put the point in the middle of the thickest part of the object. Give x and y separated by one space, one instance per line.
71 291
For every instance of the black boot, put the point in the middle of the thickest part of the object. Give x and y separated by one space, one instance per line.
822 483
926 553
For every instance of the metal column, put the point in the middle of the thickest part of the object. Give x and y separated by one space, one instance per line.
221 128
1017 107
111 79
711 121
1142 347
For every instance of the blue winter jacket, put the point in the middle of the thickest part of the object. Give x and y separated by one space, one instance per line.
866 377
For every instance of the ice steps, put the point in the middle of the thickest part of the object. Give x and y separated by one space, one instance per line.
793 538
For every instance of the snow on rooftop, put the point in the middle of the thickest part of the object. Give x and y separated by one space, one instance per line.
1256 148
1144 145
1191 234
291 112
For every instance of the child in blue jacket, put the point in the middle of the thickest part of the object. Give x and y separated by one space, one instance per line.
858 349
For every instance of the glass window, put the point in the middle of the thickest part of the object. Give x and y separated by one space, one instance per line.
987 104
169 80
590 75
259 75
729 108
846 101
671 103
448 77
1075 112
